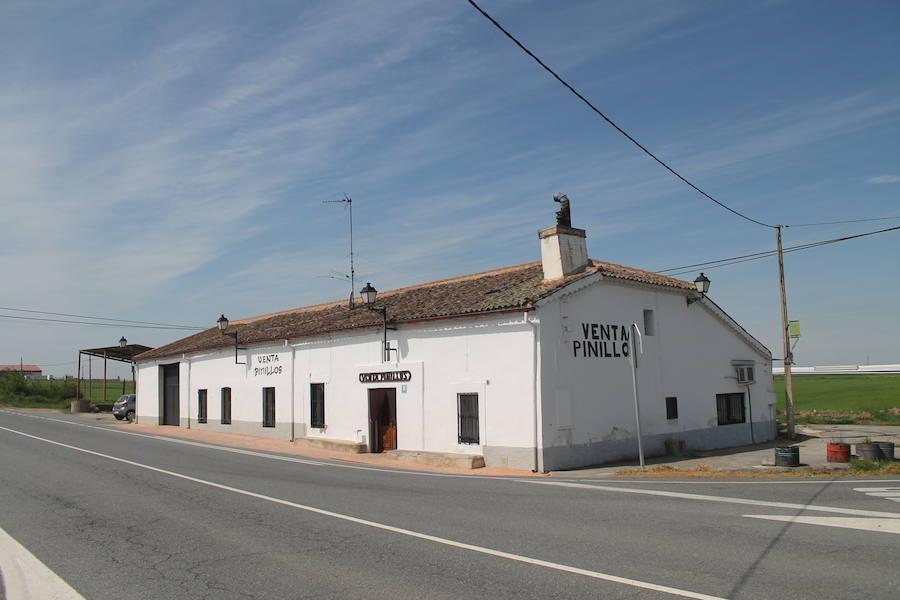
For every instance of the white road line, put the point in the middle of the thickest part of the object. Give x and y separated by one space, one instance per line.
27 578
651 480
725 499
879 525
399 530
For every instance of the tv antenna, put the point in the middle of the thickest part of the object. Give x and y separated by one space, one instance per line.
349 202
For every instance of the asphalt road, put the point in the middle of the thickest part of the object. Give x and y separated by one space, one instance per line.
121 515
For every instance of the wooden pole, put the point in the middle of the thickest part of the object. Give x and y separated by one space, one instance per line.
104 378
788 359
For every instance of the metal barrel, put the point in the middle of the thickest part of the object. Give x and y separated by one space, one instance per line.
868 451
887 450
787 456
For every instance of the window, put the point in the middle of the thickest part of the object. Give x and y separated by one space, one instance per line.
744 374
467 405
226 406
268 407
649 325
201 406
730 408
317 405
671 407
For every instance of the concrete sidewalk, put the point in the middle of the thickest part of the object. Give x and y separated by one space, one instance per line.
812 441
285 447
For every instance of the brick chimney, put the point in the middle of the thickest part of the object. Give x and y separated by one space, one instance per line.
563 247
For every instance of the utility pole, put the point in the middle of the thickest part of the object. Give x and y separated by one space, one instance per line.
788 358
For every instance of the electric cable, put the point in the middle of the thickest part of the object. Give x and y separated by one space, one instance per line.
842 222
608 120
724 262
98 324
58 314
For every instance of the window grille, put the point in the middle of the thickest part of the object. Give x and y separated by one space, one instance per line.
317 405
268 407
671 407
201 406
226 406
730 408
467 405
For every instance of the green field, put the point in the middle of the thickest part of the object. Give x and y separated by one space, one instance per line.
861 399
22 393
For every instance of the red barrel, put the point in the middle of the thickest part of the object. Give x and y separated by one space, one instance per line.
838 453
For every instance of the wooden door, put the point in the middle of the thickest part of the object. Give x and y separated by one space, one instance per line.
382 419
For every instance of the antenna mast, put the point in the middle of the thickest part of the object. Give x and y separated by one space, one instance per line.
349 202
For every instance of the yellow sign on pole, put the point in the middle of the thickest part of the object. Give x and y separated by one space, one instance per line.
794 328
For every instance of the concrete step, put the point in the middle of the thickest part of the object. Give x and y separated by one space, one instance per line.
332 444
438 459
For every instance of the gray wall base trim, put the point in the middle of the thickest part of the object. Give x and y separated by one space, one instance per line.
607 451
509 457
281 431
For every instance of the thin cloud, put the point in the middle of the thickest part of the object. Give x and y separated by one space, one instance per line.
884 179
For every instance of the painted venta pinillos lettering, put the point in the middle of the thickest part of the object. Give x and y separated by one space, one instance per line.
266 364
602 340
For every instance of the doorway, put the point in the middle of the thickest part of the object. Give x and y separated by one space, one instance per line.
382 419
170 395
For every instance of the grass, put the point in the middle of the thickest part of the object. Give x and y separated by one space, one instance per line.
58 394
852 399
857 468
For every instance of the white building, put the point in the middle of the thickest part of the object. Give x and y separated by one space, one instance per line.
523 365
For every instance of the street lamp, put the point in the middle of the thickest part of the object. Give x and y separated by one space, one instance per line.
702 286
222 322
369 294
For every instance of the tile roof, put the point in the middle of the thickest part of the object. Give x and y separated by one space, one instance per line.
507 289
22 368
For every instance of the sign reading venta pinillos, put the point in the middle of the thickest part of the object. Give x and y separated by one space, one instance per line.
385 377
265 365
601 340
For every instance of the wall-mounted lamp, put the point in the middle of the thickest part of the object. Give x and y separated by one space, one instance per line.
122 342
222 322
702 286
369 294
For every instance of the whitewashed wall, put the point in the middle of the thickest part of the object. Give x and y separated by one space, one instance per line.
492 356
588 406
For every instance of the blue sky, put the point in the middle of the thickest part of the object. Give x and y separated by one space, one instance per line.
167 161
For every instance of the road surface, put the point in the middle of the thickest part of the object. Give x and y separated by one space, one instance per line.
122 515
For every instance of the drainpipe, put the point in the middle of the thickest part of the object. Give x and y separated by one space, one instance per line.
750 413
293 368
189 392
535 366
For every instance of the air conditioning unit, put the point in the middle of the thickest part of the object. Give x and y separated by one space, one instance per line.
744 374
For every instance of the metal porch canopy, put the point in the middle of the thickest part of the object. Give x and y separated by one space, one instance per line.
119 353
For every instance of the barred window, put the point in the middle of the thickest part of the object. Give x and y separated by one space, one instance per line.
467 405
730 408
268 407
671 407
317 405
201 406
226 406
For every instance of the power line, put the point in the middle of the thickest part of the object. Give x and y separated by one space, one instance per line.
724 262
67 321
842 222
58 314
608 120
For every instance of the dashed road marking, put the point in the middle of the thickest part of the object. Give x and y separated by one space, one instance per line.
25 577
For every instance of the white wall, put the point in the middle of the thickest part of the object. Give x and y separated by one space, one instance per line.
489 355
587 402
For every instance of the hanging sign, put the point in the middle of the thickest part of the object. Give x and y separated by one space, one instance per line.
385 377
601 340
